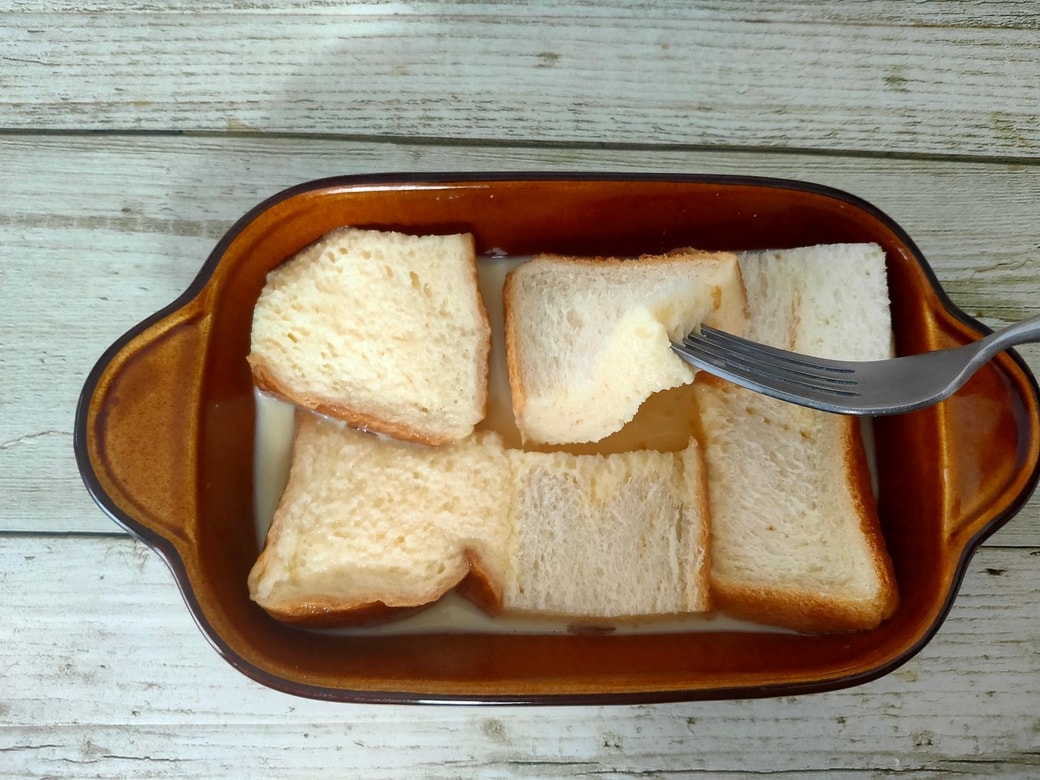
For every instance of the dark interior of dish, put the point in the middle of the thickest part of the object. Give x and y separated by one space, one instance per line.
947 475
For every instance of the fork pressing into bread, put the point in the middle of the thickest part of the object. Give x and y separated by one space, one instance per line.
876 387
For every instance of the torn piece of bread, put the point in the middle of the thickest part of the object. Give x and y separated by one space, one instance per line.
367 521
384 330
588 339
614 536
795 535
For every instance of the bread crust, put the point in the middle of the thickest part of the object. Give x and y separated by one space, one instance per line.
680 253
514 361
328 613
858 473
812 611
474 581
480 586
802 611
265 380
483 366
700 574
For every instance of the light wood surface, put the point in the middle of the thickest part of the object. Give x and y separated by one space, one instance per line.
131 137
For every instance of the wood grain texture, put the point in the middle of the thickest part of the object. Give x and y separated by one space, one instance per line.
131 689
860 77
91 254
133 135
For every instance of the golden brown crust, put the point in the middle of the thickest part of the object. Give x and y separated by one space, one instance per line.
517 388
703 573
861 488
480 587
682 253
483 366
474 582
812 611
328 613
804 611
266 381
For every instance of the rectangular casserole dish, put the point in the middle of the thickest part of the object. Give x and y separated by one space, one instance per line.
165 427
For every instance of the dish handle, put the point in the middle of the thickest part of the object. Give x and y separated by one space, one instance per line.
137 427
991 447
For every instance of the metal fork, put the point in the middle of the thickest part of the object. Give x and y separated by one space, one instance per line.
848 387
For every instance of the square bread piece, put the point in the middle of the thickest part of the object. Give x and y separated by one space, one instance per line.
367 522
383 330
609 536
588 339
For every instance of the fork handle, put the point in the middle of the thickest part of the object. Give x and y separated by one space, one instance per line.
983 350
1024 332
986 348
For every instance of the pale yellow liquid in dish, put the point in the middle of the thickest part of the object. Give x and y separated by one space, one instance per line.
663 423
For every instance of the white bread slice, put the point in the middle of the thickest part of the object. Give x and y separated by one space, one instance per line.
795 535
587 339
829 300
384 330
616 536
368 526
367 522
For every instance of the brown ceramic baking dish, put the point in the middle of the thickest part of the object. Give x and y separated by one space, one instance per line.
165 433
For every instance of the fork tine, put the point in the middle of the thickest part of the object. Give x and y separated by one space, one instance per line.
774 356
793 388
759 364
770 365
783 384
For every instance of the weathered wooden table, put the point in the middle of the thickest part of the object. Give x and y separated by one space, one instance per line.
131 136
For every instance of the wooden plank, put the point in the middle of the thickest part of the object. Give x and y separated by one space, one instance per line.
812 76
89 255
103 673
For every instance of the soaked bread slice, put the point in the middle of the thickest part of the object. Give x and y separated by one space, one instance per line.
587 339
384 330
795 535
367 523
368 526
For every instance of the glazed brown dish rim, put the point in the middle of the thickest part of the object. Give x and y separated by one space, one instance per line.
167 550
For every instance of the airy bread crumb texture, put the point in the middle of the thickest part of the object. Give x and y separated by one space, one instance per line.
795 534
608 536
588 339
370 521
384 330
